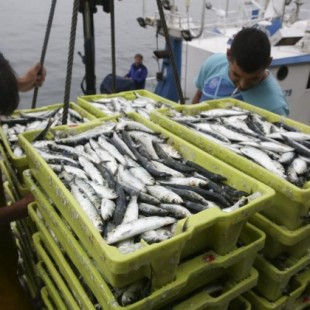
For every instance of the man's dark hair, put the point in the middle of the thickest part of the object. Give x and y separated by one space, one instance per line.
250 49
139 55
9 96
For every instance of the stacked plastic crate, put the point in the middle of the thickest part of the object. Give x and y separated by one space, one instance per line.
12 167
209 249
62 283
14 189
283 266
284 263
93 278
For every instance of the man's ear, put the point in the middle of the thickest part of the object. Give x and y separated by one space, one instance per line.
228 55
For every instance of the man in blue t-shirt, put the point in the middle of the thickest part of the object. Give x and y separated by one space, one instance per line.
137 72
242 74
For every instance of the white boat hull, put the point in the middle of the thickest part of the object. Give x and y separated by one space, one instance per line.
296 91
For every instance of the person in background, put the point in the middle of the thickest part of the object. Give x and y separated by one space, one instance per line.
242 74
12 295
137 72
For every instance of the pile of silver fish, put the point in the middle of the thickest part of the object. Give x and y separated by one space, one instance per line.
26 121
141 104
279 148
133 185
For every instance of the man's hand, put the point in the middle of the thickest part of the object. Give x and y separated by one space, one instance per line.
34 77
197 96
28 198
15 211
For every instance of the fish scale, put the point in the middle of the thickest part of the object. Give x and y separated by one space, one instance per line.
91 170
87 207
262 158
137 227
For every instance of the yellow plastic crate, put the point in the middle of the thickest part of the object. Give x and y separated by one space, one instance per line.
211 228
190 275
12 173
28 276
239 303
204 300
26 232
279 239
51 250
76 253
24 280
28 265
47 299
23 226
51 287
53 273
25 247
303 301
291 202
273 282
18 190
8 193
285 302
20 163
86 101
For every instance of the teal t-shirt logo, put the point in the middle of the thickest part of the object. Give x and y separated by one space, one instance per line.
218 87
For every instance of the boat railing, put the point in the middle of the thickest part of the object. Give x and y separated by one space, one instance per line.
150 83
247 16
179 21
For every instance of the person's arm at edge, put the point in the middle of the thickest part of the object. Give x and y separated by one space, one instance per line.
197 96
15 211
34 77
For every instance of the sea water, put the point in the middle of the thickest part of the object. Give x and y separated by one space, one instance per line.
22 30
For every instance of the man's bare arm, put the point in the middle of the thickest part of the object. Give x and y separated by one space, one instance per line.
196 98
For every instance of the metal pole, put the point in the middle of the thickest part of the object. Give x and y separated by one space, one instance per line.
89 47
44 49
169 47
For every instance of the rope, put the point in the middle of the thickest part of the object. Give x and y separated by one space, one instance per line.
171 56
70 61
112 19
44 49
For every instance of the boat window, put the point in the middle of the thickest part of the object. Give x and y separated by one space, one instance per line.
288 41
308 83
282 73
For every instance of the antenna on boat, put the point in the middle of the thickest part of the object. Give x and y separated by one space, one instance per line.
44 49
